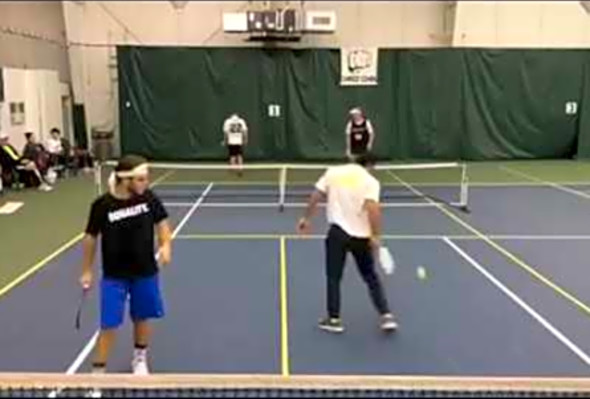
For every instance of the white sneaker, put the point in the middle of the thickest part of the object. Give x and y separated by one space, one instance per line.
45 187
93 393
388 323
140 366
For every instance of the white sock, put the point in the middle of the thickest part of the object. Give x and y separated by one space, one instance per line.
99 370
140 354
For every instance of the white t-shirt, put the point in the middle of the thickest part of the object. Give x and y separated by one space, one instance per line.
54 146
348 187
235 129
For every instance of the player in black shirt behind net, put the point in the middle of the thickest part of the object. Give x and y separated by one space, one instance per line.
359 134
125 219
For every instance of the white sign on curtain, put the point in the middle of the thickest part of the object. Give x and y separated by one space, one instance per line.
358 66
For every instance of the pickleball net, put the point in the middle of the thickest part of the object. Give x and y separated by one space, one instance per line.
284 185
187 385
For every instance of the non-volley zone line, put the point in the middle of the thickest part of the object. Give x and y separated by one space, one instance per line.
390 237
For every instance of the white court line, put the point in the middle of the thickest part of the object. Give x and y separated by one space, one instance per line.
309 186
85 352
289 205
457 237
522 184
520 302
545 182
533 237
297 237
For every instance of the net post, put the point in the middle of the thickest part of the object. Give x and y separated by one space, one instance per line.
464 200
282 187
98 177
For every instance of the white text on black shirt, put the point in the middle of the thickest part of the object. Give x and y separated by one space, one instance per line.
130 212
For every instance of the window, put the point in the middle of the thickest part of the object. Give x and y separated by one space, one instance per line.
17 114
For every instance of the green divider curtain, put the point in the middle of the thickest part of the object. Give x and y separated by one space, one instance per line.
514 103
80 132
429 104
583 125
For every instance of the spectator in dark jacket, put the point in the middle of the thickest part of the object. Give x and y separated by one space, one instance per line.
36 153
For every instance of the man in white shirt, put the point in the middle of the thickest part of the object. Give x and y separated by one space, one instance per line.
235 137
54 145
354 215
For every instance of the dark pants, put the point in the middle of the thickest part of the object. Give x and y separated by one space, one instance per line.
338 244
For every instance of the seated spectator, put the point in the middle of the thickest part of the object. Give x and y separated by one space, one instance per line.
13 163
55 148
83 159
60 152
36 153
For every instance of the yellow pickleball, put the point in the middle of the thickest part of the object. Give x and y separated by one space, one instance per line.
421 273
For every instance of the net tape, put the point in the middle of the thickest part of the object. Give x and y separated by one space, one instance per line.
51 385
283 181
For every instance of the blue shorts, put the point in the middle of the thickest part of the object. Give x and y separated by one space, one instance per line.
145 300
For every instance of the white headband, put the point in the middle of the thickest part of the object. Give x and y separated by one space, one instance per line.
138 171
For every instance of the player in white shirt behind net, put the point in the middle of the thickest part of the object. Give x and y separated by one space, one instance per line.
354 216
235 137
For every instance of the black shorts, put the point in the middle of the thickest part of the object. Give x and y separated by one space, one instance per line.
235 150
359 148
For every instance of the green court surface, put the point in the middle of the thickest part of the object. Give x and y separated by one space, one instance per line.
46 222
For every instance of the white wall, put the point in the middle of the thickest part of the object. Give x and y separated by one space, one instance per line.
33 35
40 91
525 24
15 90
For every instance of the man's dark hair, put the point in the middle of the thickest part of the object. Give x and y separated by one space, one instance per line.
28 135
367 159
55 130
129 162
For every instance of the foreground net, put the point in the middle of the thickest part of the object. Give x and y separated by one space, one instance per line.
410 185
48 385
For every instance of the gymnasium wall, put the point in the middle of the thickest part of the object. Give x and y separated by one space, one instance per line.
95 28
35 67
33 36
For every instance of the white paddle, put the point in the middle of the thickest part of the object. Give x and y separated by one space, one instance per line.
386 261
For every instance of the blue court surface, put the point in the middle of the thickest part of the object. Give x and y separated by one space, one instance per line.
507 293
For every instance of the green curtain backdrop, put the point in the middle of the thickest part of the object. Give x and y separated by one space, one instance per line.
514 103
430 104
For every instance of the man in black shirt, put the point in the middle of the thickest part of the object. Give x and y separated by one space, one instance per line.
125 218
359 134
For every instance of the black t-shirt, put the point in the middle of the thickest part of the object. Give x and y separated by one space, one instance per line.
359 135
127 230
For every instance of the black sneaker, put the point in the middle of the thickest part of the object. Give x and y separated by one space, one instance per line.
388 323
331 325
